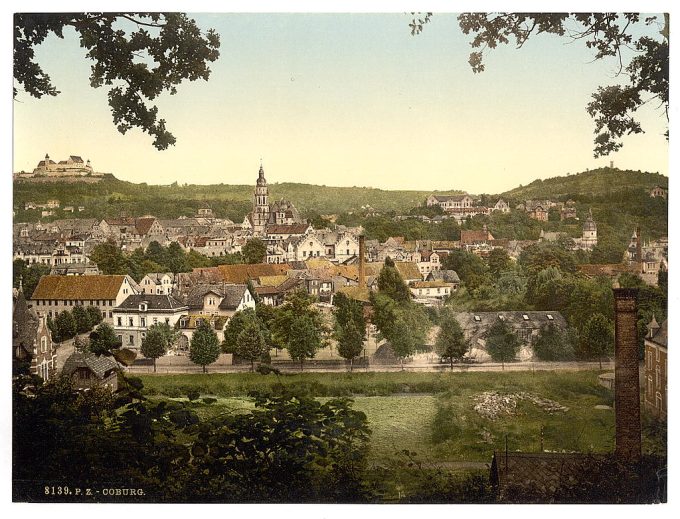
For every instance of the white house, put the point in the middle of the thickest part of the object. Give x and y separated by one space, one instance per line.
158 283
431 289
346 246
133 317
218 299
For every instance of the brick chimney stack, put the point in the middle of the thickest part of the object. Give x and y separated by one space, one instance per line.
362 275
638 247
627 377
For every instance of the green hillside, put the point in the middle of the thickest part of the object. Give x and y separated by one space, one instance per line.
596 182
112 197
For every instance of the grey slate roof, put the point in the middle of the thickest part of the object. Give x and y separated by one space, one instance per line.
478 323
232 296
660 337
450 276
231 293
156 302
98 364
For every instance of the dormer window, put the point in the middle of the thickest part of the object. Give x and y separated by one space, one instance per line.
525 317
477 318
549 316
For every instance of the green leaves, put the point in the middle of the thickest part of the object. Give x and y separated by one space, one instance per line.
608 34
171 46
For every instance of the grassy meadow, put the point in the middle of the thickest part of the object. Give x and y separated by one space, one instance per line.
433 414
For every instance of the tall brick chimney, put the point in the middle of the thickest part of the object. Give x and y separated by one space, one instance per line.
362 275
627 377
638 247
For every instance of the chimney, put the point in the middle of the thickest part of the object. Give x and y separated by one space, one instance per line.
362 276
638 247
627 377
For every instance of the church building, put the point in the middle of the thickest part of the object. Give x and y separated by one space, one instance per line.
264 213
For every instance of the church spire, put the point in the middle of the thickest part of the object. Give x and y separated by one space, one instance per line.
261 181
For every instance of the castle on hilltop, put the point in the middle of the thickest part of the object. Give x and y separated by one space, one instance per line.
264 213
74 166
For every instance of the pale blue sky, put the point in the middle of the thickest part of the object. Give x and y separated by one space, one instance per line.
345 99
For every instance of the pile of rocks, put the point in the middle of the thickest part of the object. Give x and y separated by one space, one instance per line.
492 404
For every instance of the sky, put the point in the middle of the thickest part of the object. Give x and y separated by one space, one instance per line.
345 100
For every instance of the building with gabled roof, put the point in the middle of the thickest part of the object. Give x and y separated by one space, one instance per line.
133 317
525 324
236 274
158 283
31 339
88 370
54 294
217 299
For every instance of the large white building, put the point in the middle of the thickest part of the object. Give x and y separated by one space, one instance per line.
133 317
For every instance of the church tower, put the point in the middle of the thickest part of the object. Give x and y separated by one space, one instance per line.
589 238
260 204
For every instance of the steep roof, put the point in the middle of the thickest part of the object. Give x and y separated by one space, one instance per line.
144 224
295 228
98 364
232 296
660 336
242 273
478 323
76 158
78 287
155 302
475 236
25 323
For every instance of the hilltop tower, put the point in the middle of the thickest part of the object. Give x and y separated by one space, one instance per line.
260 204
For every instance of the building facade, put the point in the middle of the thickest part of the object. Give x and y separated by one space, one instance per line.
656 369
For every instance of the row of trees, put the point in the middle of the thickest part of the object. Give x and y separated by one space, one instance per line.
67 324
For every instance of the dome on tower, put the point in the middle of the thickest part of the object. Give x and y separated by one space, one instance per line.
261 181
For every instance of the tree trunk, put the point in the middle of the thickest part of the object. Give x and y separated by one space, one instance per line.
204 370
301 361
401 360
503 365
154 365
351 364
600 359
252 366
451 362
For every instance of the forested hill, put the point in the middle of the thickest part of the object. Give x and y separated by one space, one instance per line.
596 182
112 197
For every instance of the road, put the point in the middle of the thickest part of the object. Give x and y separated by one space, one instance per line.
189 367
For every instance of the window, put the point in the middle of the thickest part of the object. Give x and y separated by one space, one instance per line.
110 315
155 320
549 316
130 321
477 318
132 339
167 320
120 321
43 344
525 317
143 322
